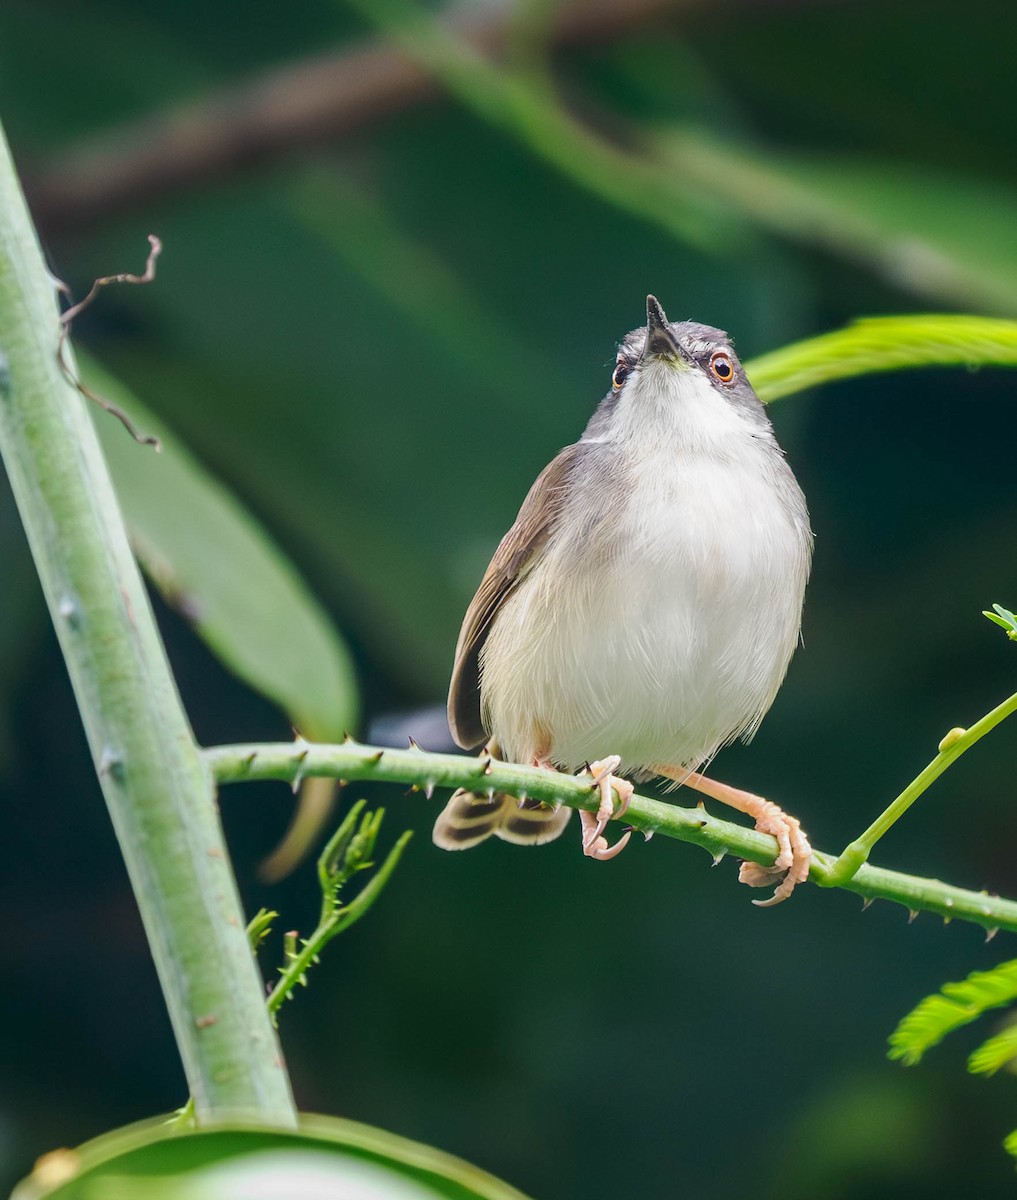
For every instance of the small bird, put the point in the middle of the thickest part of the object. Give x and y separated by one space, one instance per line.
642 610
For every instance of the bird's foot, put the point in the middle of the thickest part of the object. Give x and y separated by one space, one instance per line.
794 854
594 843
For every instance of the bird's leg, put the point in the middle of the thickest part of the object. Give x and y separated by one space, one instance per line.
593 825
794 854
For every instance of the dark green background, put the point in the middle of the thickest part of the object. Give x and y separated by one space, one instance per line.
378 342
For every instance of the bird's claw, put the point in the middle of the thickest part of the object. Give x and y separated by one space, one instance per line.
794 855
594 843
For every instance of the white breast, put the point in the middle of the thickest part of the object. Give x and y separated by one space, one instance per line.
660 619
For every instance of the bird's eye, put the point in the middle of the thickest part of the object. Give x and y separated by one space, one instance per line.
621 373
721 367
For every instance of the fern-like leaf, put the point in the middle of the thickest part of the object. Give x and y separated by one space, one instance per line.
998 1051
955 1004
1005 619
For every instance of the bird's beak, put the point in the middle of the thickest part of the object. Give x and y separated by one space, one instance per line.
660 341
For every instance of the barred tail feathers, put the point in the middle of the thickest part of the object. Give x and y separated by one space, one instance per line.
469 819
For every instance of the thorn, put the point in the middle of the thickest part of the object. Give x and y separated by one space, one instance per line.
248 762
375 758
520 799
298 777
867 902
647 834
719 858
346 737
414 745
70 611
990 933
111 763
490 793
429 788
912 913
700 804
702 824
487 768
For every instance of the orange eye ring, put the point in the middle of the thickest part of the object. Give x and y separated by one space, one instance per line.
721 367
621 373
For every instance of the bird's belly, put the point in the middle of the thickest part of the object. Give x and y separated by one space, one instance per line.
660 644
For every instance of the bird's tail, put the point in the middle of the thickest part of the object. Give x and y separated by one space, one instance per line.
469 818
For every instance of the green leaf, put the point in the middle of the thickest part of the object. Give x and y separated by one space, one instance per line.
997 1052
912 226
884 344
210 560
1005 619
325 1157
955 1004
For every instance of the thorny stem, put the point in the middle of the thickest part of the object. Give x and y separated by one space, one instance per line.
293 761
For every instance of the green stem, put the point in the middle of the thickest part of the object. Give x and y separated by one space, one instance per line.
351 761
522 104
157 788
951 748
693 185
335 917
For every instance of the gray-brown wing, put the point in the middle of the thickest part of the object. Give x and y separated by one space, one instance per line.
531 529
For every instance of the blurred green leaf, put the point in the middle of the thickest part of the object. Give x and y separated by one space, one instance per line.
999 1051
860 1124
954 1005
914 226
935 234
212 562
884 344
326 1157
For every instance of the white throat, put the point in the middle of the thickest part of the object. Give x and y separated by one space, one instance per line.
671 406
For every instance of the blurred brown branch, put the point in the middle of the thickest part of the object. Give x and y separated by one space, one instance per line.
310 102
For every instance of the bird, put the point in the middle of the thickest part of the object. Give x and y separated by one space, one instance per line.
642 610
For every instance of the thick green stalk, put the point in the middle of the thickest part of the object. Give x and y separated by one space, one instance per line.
293 761
157 788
